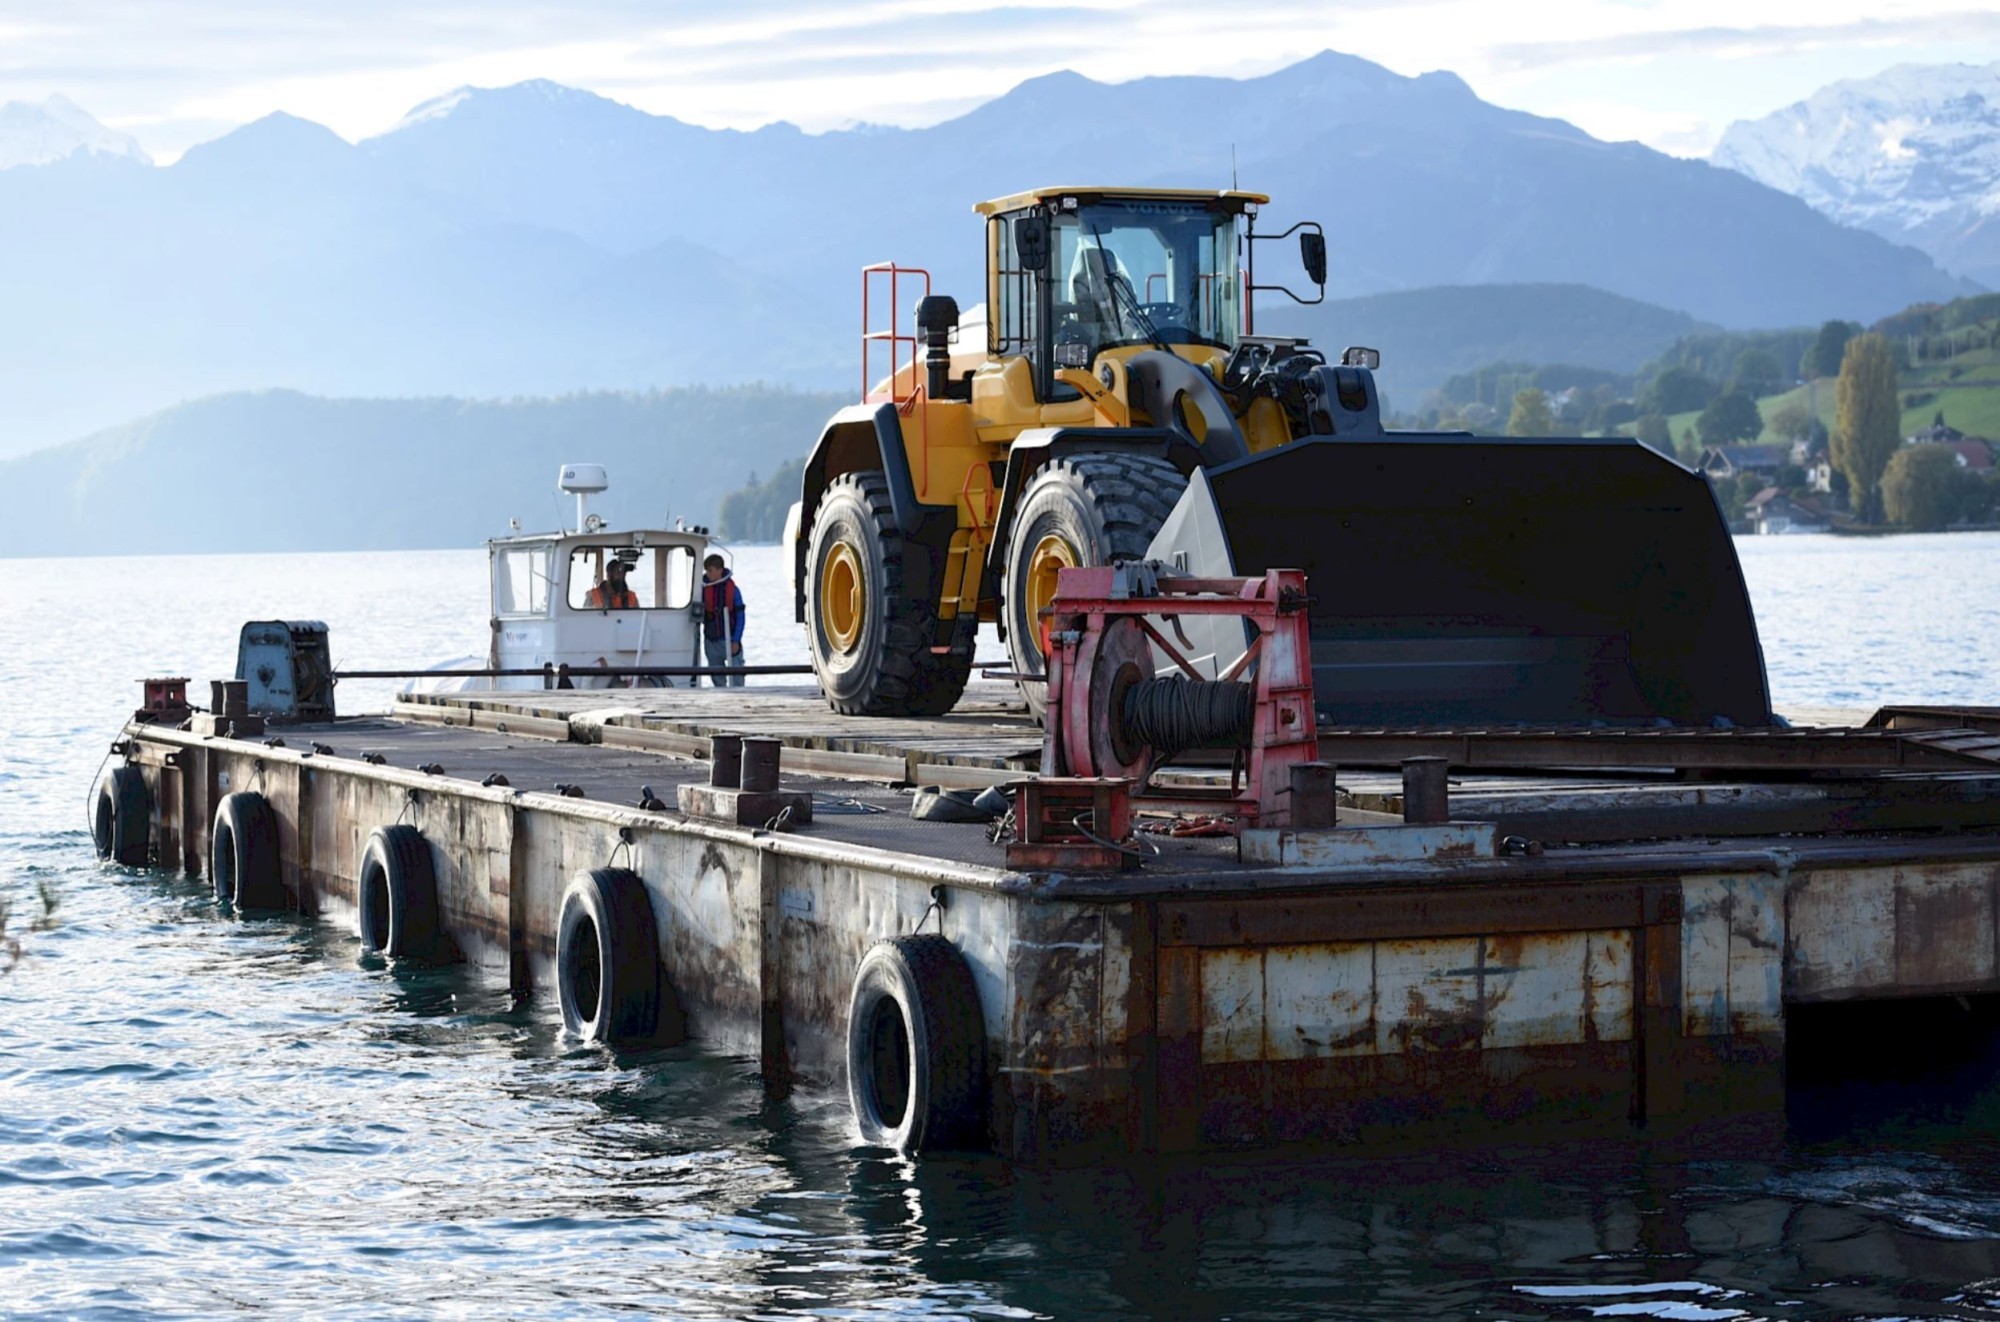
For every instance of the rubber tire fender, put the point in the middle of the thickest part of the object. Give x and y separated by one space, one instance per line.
1108 506
121 818
243 858
608 973
914 1027
396 913
891 670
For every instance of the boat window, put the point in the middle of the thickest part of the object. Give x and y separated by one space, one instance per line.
658 577
521 581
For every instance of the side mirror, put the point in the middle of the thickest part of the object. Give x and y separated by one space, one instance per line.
1031 242
1312 251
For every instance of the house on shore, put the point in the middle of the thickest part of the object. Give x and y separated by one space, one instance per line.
1728 461
1772 512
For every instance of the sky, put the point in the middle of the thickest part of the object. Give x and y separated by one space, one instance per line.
1669 73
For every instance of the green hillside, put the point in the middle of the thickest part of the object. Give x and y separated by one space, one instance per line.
1430 335
277 470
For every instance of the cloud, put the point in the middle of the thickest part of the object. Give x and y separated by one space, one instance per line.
1745 42
174 72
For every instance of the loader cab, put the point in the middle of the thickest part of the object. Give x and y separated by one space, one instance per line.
1075 274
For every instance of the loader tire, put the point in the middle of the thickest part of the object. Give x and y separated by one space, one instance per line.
1081 509
871 643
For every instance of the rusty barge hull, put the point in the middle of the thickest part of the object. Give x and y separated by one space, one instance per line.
1350 995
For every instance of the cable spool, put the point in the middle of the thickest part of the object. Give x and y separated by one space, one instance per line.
1173 715
1134 721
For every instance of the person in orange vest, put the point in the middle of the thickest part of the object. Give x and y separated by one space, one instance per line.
721 621
612 594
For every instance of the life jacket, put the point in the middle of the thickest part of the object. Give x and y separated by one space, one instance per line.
717 597
606 597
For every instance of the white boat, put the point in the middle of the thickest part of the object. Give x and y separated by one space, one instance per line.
551 607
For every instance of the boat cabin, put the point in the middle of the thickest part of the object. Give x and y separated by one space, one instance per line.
555 601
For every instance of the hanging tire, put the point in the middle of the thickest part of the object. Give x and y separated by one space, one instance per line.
916 1047
121 818
243 853
608 959
397 910
871 643
1079 509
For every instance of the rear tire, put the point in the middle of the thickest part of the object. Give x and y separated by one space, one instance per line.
871 643
1080 509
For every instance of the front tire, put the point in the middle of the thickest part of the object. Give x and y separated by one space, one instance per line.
871 641
1080 509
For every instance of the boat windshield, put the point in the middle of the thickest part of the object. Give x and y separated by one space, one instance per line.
1143 273
656 577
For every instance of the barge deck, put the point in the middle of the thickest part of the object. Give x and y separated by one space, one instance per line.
1580 943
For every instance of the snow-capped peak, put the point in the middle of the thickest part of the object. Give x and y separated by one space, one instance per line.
36 134
1912 153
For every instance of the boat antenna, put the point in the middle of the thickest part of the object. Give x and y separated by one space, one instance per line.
1232 167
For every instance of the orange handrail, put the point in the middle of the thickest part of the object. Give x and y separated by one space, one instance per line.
905 401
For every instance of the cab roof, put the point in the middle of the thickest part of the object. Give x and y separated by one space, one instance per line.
1016 201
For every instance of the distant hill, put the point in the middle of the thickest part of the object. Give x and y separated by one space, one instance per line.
536 239
1430 335
281 471
1911 154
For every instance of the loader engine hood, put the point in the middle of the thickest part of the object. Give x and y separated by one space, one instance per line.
1469 580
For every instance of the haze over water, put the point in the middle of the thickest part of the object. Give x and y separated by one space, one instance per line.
202 1116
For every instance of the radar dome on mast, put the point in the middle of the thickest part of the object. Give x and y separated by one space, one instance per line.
583 481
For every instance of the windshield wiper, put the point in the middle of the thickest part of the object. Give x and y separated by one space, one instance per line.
1120 285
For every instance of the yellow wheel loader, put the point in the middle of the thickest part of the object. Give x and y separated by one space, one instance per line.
1121 406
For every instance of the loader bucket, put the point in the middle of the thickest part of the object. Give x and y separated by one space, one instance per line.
1476 581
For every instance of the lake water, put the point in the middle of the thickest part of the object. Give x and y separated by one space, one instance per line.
200 1116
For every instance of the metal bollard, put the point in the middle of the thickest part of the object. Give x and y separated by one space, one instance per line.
725 761
1426 795
760 765
235 698
215 697
1312 796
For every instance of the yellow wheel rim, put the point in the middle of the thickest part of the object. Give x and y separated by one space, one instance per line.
1050 555
842 606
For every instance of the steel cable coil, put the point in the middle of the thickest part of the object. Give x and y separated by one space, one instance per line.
1173 715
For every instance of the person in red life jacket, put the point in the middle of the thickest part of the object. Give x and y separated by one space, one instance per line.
721 620
612 594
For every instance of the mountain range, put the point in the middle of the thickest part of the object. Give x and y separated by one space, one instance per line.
1912 154
280 471
535 239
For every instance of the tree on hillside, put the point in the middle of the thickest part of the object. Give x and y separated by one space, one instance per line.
1756 373
1866 423
1678 390
1652 430
1923 489
756 511
1531 415
1730 417
1792 420
1824 358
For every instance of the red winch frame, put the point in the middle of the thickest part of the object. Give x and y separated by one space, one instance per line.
1089 601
